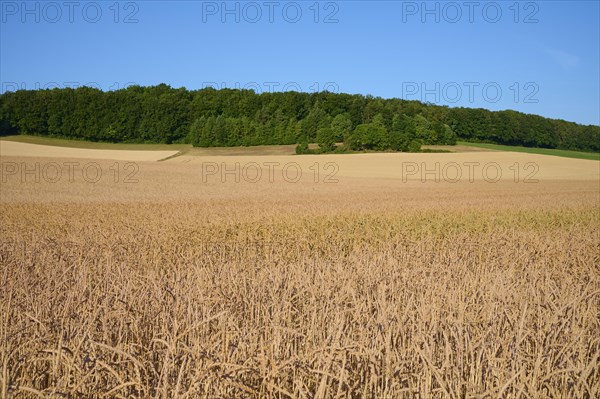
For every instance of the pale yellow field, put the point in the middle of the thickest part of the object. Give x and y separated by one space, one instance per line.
16 149
427 166
451 167
196 278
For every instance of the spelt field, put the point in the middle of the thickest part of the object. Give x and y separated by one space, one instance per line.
166 280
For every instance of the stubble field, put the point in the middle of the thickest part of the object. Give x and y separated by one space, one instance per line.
192 278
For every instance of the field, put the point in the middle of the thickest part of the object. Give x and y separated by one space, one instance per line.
65 143
180 148
187 149
543 151
13 148
465 275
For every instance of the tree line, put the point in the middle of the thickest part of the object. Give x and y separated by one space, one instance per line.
233 117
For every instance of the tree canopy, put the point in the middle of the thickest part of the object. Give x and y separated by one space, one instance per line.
231 117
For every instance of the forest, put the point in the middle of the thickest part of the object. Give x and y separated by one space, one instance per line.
233 117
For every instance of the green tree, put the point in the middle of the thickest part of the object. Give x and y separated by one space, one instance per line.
162 114
369 136
315 120
326 139
414 146
208 134
195 131
424 130
342 127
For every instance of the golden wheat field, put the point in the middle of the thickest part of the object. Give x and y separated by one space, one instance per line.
362 278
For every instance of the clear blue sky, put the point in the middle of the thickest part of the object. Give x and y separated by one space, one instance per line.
536 57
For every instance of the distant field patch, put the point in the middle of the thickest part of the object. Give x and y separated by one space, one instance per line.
399 166
530 150
57 142
17 149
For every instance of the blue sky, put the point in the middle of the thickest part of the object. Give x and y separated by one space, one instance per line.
538 57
